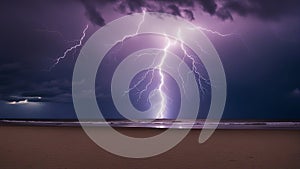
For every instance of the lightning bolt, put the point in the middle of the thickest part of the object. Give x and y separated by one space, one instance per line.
150 71
159 89
194 70
162 78
239 36
210 31
135 33
72 48
201 78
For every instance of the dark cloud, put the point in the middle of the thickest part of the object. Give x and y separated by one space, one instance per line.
188 14
130 6
266 10
135 6
224 14
209 6
93 14
223 9
174 10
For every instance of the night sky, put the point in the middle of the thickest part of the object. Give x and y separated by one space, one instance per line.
261 57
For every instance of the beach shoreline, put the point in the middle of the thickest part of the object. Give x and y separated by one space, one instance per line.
70 148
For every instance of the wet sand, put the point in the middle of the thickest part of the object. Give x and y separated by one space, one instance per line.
70 148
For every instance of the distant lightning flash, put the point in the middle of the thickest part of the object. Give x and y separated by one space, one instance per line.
79 44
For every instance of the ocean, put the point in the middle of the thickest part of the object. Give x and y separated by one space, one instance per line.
163 124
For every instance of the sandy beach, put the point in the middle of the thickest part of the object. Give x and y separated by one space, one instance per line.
70 148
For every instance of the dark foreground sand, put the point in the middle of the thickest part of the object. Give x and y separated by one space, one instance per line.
24 147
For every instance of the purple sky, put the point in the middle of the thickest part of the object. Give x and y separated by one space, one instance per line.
261 58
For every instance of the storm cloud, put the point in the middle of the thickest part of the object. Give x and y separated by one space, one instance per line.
224 10
92 13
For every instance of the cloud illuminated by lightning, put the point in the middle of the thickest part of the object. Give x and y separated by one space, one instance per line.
15 100
19 102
